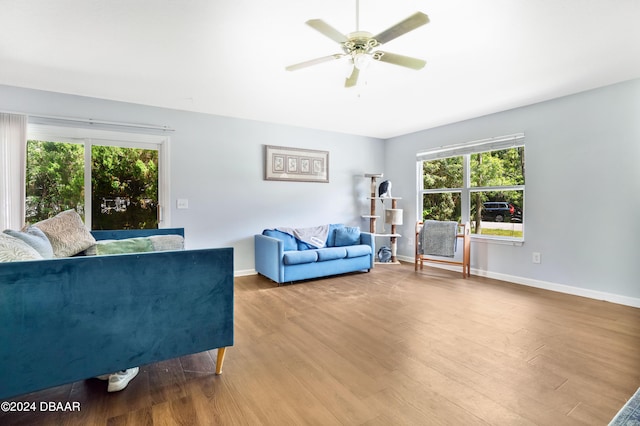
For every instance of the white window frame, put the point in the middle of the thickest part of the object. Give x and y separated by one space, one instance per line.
465 151
90 137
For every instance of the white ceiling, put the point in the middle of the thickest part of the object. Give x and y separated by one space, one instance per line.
228 57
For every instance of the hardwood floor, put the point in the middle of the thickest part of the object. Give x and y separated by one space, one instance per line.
389 347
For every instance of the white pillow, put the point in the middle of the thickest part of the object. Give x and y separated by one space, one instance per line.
12 249
67 233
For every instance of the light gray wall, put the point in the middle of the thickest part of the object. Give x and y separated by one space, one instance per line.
581 191
582 186
217 164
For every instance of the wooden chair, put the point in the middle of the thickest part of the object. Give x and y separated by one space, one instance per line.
464 232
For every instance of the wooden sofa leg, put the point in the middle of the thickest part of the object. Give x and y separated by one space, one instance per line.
220 360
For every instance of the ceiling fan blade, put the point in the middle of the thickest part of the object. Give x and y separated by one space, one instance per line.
352 80
316 61
326 29
403 61
414 21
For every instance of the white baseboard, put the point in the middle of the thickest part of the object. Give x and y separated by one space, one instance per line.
244 272
545 285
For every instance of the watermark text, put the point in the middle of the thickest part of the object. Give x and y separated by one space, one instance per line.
41 406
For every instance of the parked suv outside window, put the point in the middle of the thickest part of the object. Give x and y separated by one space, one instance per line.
497 211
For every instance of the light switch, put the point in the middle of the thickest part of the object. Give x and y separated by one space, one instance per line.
182 203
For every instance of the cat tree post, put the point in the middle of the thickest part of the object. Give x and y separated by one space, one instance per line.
393 216
372 217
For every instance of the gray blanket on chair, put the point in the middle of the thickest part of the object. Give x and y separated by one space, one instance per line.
438 238
315 235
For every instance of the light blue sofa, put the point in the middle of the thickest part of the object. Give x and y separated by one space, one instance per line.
283 258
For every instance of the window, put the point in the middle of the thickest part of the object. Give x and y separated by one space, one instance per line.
121 170
54 179
480 182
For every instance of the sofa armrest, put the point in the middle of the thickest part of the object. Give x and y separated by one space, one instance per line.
269 254
368 239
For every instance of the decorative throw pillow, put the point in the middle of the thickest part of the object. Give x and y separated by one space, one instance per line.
35 238
331 238
347 236
67 233
167 242
12 249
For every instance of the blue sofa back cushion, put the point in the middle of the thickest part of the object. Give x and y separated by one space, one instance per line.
331 239
290 242
347 236
304 246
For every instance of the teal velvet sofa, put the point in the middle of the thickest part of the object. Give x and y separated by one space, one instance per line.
282 258
68 319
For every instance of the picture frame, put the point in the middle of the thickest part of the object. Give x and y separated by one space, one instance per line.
296 164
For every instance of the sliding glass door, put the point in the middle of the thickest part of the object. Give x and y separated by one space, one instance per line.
113 183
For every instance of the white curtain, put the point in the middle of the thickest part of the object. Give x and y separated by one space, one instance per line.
13 152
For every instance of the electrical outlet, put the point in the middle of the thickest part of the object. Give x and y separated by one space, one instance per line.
536 257
182 203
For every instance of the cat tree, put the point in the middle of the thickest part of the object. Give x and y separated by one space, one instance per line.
392 216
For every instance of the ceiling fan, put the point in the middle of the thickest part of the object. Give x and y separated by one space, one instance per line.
360 46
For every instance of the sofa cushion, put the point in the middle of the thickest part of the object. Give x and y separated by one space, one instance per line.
331 253
331 238
359 250
294 257
288 240
35 238
67 233
13 249
347 236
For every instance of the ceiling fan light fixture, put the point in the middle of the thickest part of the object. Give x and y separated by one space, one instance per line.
361 60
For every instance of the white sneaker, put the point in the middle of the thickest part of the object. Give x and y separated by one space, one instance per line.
103 377
120 380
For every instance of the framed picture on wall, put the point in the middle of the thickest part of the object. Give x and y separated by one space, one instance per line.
296 164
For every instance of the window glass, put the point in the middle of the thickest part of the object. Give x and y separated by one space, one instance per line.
442 206
443 173
497 213
54 179
498 168
124 187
